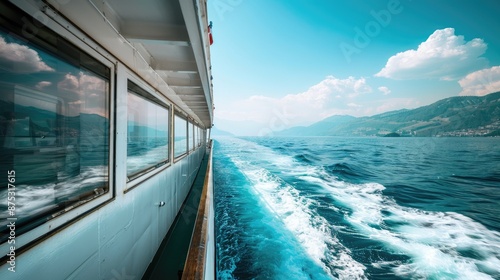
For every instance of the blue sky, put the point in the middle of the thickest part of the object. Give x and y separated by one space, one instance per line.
278 64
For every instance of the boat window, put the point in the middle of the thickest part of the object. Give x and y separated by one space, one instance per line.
147 132
196 135
180 136
191 136
54 126
200 138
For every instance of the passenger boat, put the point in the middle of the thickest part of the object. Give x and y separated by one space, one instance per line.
105 115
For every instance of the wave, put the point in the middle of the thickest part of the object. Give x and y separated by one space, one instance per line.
440 245
313 232
304 158
32 200
142 158
343 170
432 244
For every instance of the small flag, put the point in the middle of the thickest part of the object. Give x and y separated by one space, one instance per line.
210 38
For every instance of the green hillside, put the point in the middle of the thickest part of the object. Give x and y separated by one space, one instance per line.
454 116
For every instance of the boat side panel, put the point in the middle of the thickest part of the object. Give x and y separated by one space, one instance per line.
119 239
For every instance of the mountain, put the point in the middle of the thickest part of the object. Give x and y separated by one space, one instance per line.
454 116
334 125
218 132
241 127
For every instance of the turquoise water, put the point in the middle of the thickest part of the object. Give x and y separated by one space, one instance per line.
357 208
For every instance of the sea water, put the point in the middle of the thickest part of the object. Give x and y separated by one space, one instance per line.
357 208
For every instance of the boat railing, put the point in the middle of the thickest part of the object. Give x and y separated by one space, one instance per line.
200 261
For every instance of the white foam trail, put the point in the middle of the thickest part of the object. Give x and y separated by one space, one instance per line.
439 244
311 230
150 158
33 199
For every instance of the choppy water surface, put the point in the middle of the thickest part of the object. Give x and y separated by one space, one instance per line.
357 208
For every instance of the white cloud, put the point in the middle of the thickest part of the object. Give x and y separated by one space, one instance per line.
70 83
384 90
330 96
43 84
88 91
481 82
443 55
21 59
83 84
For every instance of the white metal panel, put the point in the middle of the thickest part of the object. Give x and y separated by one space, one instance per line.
87 269
44 261
150 36
121 129
120 238
90 18
34 9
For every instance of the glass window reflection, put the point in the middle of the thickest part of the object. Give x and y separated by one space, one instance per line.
54 128
191 136
147 133
180 136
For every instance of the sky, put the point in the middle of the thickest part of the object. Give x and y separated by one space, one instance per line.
285 63
30 67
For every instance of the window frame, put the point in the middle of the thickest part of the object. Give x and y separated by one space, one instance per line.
196 136
124 75
148 95
185 118
38 232
191 135
202 135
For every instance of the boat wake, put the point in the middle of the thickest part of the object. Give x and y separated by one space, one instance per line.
313 232
431 245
